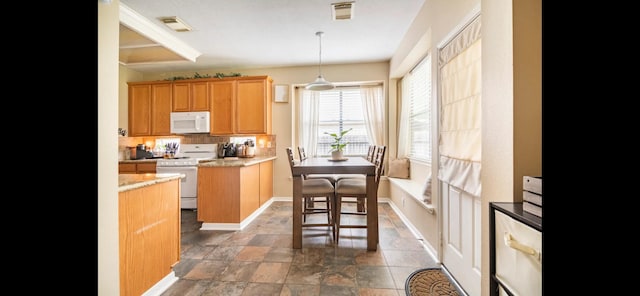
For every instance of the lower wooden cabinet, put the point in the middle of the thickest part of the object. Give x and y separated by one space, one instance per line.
149 234
231 194
266 181
136 168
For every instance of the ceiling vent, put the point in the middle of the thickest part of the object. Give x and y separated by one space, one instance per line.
342 10
175 24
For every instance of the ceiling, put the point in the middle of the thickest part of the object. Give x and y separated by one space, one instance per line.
250 34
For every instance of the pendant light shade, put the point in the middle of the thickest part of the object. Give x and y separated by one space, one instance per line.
320 83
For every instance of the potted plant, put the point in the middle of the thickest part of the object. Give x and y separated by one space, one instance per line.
338 145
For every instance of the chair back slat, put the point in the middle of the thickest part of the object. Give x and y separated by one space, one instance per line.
302 153
379 162
371 153
291 158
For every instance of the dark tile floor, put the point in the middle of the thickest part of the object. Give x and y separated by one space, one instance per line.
259 260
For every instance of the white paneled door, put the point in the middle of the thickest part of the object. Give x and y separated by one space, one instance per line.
461 253
459 155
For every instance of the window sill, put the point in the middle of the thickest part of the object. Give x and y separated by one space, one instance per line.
413 189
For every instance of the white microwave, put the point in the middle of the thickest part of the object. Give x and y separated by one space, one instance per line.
190 122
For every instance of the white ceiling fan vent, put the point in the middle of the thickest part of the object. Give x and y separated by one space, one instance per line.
175 24
342 10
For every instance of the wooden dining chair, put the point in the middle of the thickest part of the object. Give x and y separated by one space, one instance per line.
370 157
315 188
311 202
371 153
356 188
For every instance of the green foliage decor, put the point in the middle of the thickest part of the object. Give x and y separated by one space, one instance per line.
338 145
198 75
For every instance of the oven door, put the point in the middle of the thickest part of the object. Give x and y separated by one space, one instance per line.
188 184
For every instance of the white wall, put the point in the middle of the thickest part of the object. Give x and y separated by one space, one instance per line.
108 262
511 104
125 75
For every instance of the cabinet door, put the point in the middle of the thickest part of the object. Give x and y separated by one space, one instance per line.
126 168
200 98
147 167
251 107
249 192
140 110
223 109
161 110
266 181
181 96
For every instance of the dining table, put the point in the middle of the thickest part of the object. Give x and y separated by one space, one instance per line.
347 165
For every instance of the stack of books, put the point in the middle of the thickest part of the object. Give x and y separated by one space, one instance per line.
532 195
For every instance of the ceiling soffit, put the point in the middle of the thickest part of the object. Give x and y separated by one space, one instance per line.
143 42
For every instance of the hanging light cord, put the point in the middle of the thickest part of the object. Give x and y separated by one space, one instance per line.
320 53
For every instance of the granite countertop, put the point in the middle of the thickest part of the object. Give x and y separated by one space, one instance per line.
138 160
128 182
235 162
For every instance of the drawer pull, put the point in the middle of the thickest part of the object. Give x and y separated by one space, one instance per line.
514 244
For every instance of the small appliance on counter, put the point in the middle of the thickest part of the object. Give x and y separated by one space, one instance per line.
227 150
247 149
140 152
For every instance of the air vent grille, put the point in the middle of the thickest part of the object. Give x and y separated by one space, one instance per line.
175 24
342 10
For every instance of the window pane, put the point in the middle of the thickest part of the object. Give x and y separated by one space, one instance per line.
419 96
339 110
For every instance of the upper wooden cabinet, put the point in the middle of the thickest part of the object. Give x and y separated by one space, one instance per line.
253 106
241 106
149 109
238 105
191 96
223 94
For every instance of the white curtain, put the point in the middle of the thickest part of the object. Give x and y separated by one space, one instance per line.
374 113
308 132
460 123
404 147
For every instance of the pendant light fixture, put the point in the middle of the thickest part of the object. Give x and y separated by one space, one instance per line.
320 83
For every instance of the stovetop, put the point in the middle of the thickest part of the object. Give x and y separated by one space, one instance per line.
190 155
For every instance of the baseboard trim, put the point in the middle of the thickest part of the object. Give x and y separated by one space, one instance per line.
162 285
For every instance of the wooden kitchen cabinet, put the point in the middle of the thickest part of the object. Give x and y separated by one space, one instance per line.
253 106
191 96
150 109
238 105
136 168
266 181
149 235
230 194
223 94
241 105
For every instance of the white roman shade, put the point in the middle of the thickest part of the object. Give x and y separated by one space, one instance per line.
459 63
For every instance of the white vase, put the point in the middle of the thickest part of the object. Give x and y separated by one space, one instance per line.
336 154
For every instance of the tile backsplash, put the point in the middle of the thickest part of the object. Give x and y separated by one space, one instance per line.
265 144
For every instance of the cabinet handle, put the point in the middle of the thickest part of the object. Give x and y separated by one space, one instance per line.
514 244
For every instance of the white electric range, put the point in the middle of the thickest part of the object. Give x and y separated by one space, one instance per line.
186 162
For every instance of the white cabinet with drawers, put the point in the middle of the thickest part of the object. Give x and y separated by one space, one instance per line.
516 251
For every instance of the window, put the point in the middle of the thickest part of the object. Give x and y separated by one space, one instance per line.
416 88
341 109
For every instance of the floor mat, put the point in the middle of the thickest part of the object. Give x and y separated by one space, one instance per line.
430 282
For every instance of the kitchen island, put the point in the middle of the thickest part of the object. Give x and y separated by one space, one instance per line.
149 232
232 192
